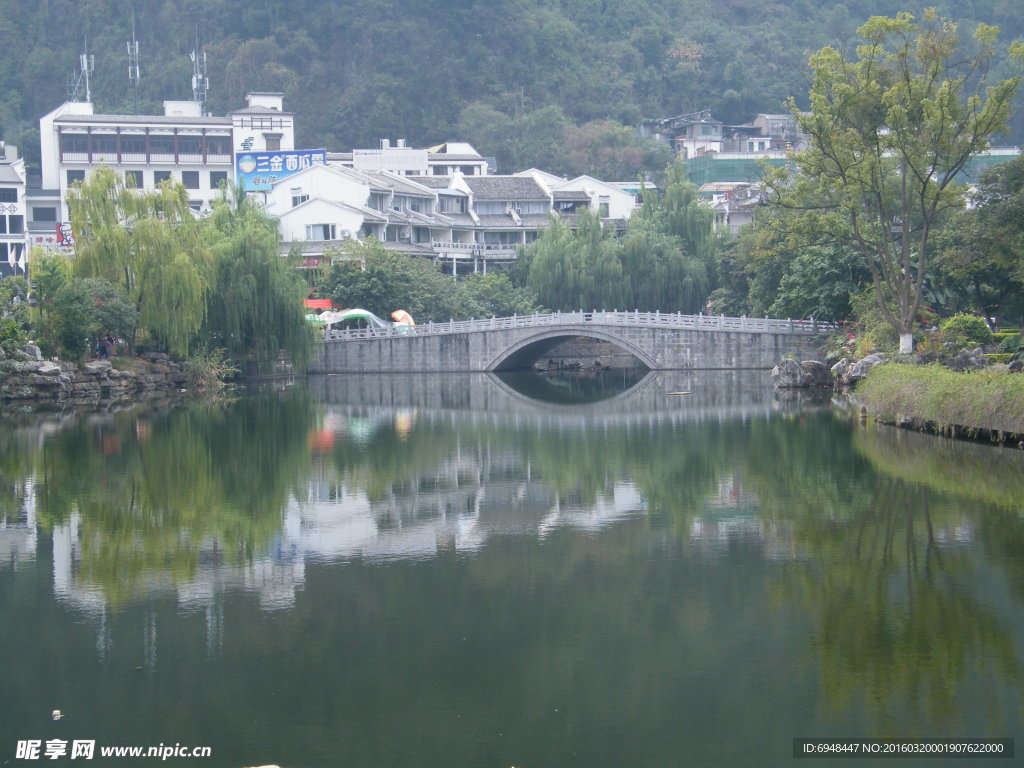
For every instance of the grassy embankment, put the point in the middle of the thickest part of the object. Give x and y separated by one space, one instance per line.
972 403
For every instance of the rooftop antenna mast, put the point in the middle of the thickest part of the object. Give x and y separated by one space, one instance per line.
78 82
200 82
133 64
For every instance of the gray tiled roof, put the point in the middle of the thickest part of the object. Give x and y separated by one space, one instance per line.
434 182
398 184
505 188
144 120
535 219
571 194
10 176
500 220
459 219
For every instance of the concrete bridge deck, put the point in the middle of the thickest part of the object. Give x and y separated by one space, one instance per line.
659 341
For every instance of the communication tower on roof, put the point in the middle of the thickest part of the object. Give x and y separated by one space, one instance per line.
133 64
200 82
78 82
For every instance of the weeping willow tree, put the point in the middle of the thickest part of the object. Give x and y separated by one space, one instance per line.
680 213
151 245
578 269
650 268
255 307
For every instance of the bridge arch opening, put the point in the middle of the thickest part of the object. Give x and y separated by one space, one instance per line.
545 347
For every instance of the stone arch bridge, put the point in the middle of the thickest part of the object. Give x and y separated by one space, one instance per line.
659 341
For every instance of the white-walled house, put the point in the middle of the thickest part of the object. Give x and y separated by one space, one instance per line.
181 144
607 201
12 212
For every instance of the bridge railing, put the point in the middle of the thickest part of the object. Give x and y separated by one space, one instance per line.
632 319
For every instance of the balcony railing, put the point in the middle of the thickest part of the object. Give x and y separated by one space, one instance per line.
597 317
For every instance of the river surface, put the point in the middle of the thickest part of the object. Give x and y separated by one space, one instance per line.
463 570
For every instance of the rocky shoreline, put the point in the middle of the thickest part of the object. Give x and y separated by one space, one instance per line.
35 380
791 376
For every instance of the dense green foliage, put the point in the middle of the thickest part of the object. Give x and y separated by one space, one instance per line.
889 131
151 245
963 329
666 260
373 278
255 301
980 253
184 283
359 70
990 399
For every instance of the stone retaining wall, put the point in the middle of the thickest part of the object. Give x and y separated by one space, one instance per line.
47 381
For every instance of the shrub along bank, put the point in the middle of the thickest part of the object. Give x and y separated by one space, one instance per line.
989 401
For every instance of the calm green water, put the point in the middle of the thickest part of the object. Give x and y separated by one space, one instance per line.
444 571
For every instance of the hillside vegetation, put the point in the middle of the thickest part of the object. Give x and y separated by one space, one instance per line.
526 80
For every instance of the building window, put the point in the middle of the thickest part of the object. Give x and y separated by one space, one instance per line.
160 176
195 205
133 179
299 199
468 170
8 195
218 145
273 142
44 214
161 145
320 232
189 145
74 176
74 142
190 179
104 146
133 145
12 225
217 178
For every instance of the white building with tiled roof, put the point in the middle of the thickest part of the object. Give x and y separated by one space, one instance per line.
12 212
181 144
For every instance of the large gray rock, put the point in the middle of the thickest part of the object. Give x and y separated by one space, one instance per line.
840 368
816 374
1015 366
46 368
861 367
968 360
96 367
33 352
789 374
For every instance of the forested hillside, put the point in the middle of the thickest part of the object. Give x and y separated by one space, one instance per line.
532 82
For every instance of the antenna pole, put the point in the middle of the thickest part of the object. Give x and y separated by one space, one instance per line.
133 64
200 82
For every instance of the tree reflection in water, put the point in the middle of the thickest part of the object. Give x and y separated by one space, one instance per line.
890 572
150 492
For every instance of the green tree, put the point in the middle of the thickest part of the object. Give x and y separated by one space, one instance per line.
112 312
50 272
255 299
151 245
381 281
980 251
889 134
496 296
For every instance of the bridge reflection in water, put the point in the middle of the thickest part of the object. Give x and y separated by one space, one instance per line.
656 396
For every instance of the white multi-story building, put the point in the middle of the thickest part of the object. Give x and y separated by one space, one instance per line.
12 212
181 144
443 160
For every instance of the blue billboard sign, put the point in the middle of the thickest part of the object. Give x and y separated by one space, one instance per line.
259 171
